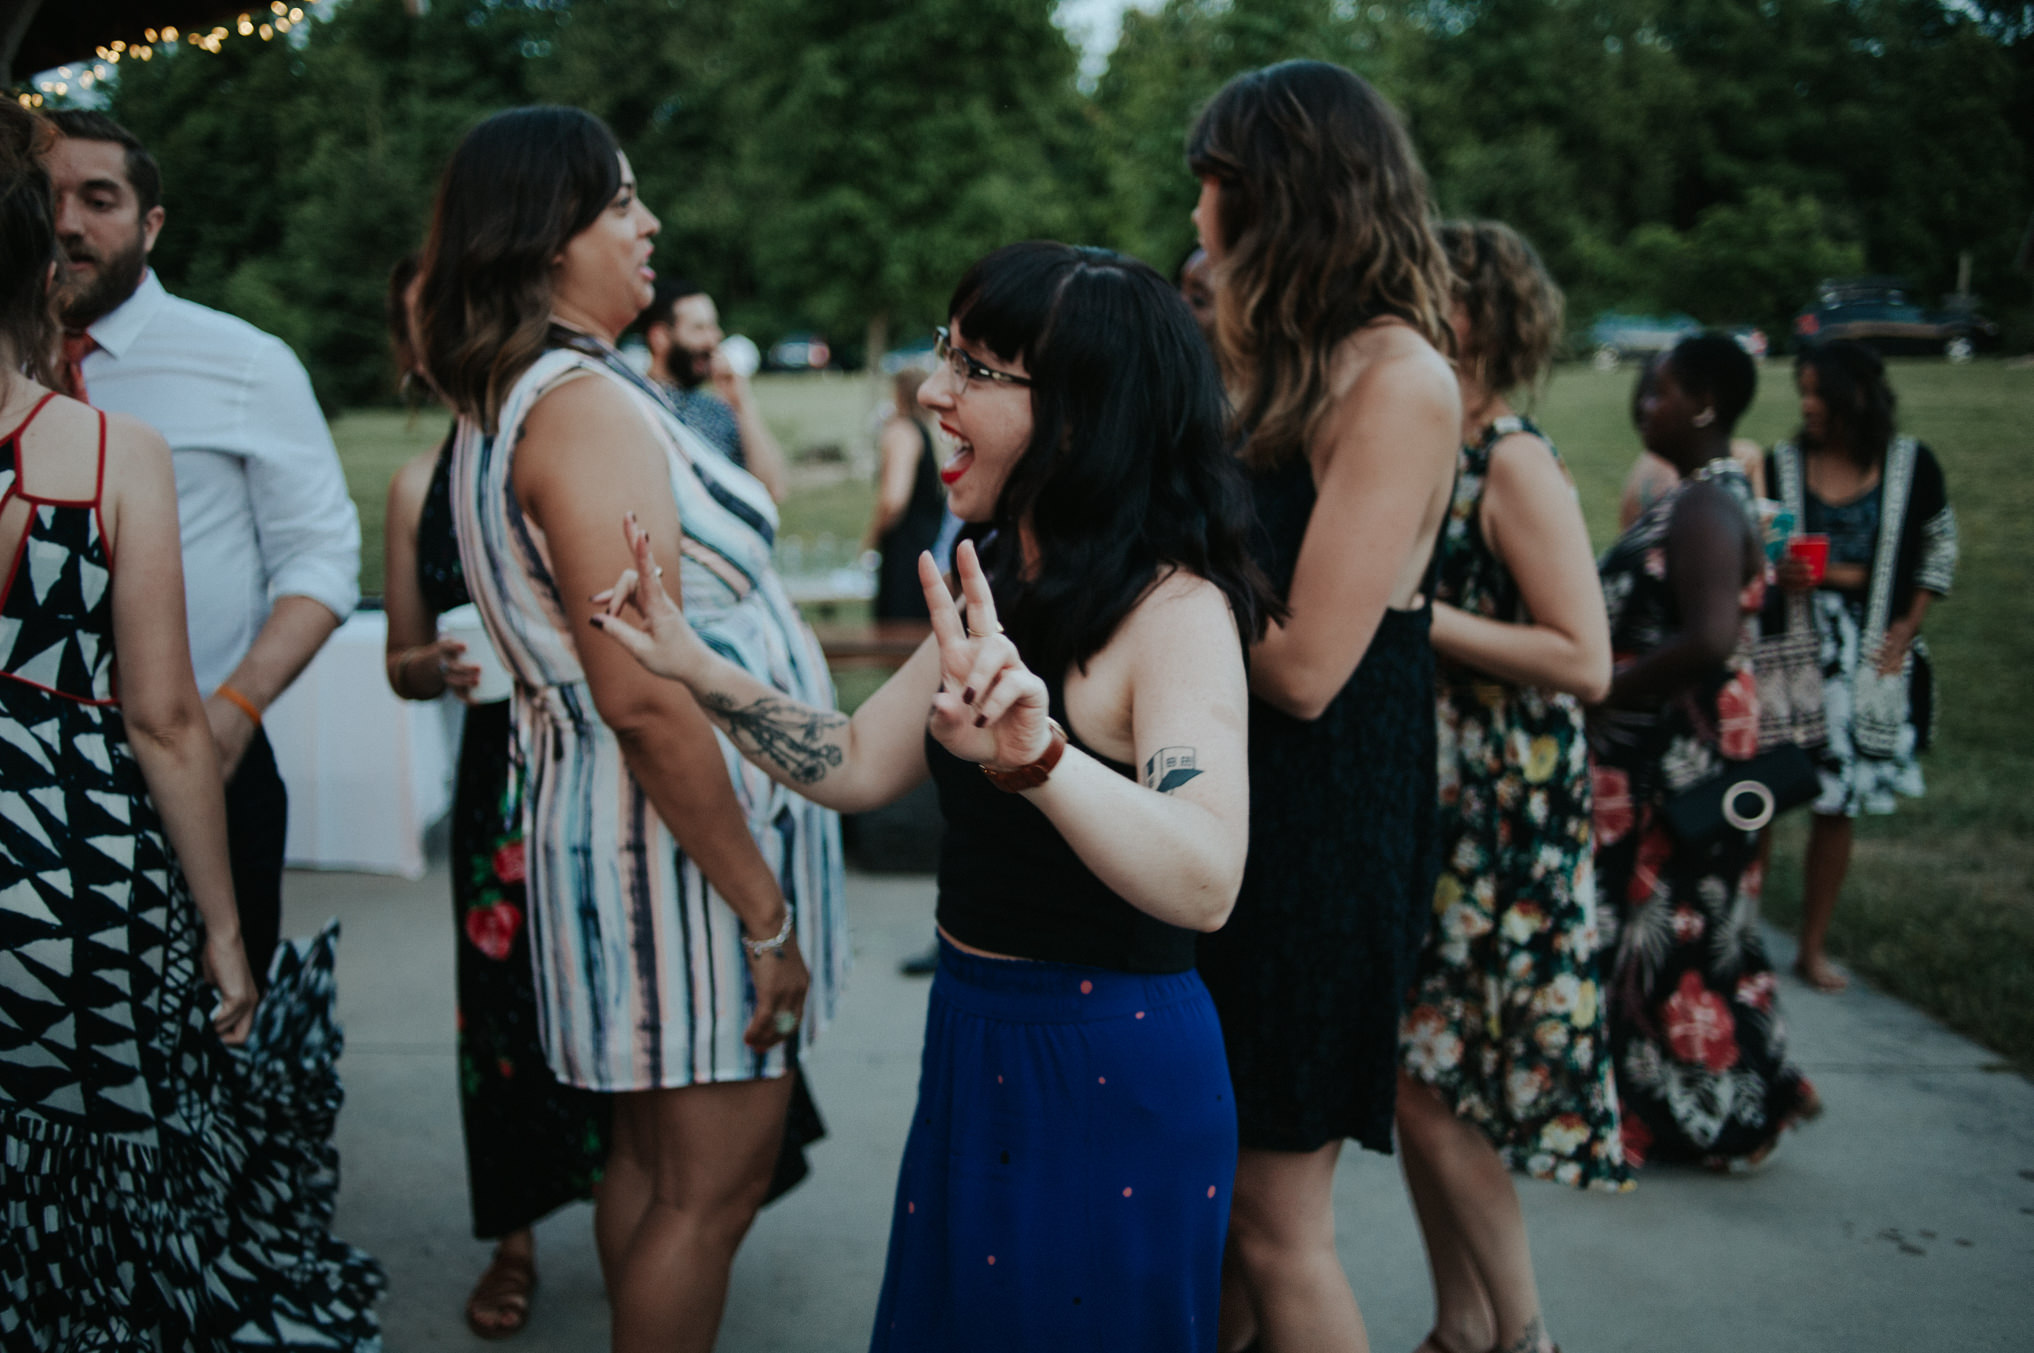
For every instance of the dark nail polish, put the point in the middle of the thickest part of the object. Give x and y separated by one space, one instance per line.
981 721
598 621
968 696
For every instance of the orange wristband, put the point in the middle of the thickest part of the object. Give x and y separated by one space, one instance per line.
246 705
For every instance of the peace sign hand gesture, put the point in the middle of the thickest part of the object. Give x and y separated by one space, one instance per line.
990 708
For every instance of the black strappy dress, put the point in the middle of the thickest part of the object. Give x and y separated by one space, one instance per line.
1312 971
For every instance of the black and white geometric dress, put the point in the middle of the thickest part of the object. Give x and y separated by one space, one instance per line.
158 1190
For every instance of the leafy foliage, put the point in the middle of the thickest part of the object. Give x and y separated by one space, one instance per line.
835 164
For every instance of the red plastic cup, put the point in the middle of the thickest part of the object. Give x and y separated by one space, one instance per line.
1812 548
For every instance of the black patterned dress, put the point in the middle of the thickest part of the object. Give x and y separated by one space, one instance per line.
157 1189
532 1144
1701 1051
1506 1020
1311 972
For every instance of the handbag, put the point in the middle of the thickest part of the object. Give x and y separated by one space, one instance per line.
1743 795
1788 665
1881 706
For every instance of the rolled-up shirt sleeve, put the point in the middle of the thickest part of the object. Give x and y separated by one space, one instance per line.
304 520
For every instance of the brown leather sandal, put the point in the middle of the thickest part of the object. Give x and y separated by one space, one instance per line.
504 1291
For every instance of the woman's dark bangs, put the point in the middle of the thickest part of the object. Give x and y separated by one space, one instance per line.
1004 300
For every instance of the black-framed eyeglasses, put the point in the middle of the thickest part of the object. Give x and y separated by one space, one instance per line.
966 368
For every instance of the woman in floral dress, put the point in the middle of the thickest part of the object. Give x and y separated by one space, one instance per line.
1505 1061
1700 1049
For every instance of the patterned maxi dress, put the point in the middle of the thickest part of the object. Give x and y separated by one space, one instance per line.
158 1190
1506 1020
641 978
1695 1027
532 1144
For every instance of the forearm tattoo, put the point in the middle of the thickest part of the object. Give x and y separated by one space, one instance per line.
795 737
1169 768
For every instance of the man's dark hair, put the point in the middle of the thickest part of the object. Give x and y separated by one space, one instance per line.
664 303
144 175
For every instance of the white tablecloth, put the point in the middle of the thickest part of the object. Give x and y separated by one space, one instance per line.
368 774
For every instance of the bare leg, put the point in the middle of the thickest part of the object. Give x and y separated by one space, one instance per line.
1473 1199
1829 842
715 1148
1237 1330
1282 1240
625 1188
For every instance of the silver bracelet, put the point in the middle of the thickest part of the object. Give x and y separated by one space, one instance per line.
774 945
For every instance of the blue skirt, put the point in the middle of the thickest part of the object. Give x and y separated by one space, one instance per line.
1066 1183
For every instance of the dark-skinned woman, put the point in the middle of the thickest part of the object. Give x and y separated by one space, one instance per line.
1699 1047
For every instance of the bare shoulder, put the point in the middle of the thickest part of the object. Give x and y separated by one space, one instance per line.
1522 458
413 481
583 409
132 446
1391 359
1180 605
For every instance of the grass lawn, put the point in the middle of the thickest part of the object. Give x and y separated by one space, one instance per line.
1939 907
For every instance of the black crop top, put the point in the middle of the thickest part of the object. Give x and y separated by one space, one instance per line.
1009 883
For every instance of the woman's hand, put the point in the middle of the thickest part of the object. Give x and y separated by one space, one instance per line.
441 657
990 708
665 644
781 980
1892 653
226 969
1795 574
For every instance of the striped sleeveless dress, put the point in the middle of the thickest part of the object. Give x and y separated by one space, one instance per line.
641 982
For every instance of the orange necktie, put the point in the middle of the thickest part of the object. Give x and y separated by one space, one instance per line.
76 348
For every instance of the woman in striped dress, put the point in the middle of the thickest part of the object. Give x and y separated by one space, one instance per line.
676 895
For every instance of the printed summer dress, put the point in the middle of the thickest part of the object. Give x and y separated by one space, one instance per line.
1701 1050
1506 1020
640 974
157 1188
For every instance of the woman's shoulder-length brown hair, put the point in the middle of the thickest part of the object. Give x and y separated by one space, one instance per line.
520 185
1326 225
1514 308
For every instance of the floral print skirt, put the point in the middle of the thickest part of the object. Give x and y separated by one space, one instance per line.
1505 1020
532 1144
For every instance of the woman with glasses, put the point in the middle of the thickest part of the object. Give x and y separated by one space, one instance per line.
1082 712
1331 317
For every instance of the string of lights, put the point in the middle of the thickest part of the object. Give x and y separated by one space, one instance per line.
265 26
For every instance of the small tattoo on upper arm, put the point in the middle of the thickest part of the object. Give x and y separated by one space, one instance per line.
796 737
1170 767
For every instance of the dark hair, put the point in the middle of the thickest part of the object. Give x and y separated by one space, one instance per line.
1514 308
144 175
28 247
1642 386
1851 378
1712 367
1128 474
663 306
520 185
1326 226
396 314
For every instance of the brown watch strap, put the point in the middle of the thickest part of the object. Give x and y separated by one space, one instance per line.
1019 778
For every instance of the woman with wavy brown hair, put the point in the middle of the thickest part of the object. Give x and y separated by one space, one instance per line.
1331 321
674 893
1506 1063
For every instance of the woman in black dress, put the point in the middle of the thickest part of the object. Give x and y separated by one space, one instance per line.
1332 297
909 505
532 1144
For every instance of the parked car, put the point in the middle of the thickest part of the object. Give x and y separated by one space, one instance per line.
1877 310
798 352
1614 336
918 354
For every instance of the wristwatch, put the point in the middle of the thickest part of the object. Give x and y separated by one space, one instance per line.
1019 778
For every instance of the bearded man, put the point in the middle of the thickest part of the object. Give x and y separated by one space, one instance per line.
271 541
682 329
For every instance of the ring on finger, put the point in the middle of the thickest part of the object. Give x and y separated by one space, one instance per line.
974 633
785 1022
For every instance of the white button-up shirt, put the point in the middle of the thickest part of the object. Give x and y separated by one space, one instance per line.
261 500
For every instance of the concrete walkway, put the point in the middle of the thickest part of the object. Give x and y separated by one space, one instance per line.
1903 1220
